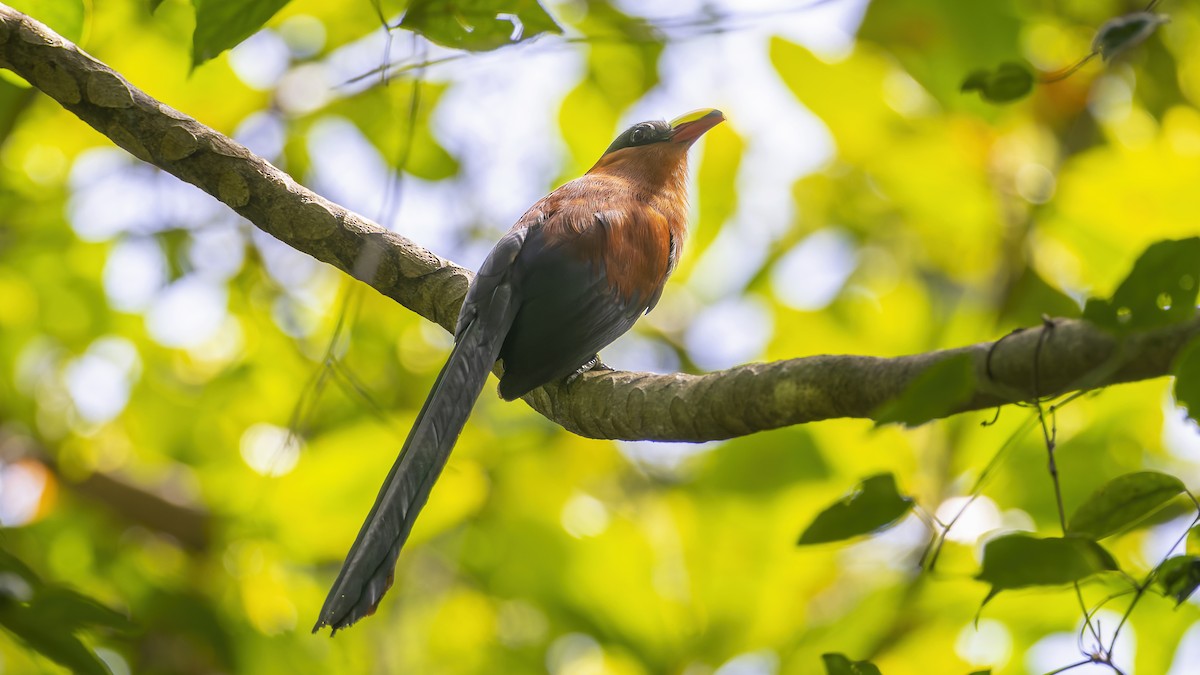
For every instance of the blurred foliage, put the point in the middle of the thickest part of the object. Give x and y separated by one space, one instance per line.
1123 33
856 202
66 17
933 394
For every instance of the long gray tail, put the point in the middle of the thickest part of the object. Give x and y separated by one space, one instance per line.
367 573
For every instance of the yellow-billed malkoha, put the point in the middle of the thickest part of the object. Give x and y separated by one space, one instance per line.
574 273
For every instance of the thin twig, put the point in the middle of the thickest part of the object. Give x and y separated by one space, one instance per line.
1059 75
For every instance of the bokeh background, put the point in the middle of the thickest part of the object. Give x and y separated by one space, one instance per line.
195 418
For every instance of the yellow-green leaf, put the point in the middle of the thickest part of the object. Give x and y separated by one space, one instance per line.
66 17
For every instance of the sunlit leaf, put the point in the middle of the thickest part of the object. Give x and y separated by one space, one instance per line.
478 25
619 71
1193 541
1125 32
1160 290
1187 378
423 156
933 394
856 118
1123 502
839 664
154 5
222 24
1007 83
717 179
1020 560
874 504
1179 576
66 17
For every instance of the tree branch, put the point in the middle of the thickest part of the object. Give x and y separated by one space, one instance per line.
637 406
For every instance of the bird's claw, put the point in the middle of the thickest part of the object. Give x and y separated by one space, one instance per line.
593 364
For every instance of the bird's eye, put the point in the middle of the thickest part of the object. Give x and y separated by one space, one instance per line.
638 135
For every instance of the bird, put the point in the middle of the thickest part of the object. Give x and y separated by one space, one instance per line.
573 274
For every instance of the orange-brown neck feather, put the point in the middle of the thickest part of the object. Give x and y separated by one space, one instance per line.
655 175
660 168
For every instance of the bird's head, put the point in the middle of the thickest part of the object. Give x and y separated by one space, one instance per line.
653 150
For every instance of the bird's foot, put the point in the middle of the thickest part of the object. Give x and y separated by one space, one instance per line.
593 364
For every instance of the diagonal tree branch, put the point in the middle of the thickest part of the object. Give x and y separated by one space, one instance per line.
637 406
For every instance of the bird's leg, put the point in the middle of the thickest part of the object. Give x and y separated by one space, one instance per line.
593 363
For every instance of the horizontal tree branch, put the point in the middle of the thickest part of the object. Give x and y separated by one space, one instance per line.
637 406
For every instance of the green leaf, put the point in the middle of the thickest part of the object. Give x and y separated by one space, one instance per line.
154 5
11 564
478 25
1160 290
44 635
46 617
70 610
839 664
222 24
1030 297
66 17
874 504
1193 541
976 80
1125 32
1179 577
1008 82
1020 560
1123 502
1186 370
935 393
